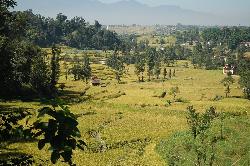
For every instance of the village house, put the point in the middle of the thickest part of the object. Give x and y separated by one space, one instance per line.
229 69
95 81
246 44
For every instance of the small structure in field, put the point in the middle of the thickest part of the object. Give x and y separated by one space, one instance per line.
95 81
229 69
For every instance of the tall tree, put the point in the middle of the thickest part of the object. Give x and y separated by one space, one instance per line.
227 82
116 63
86 69
17 55
157 69
244 72
151 55
55 69
139 66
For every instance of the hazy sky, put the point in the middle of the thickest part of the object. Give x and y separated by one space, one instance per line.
214 6
230 12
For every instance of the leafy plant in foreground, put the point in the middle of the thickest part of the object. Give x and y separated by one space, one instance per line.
60 131
203 145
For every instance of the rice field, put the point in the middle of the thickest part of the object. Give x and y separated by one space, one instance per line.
129 120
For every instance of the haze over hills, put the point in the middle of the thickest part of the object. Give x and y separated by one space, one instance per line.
126 12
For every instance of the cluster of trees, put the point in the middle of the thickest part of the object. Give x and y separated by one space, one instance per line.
151 60
244 72
155 62
190 35
205 56
73 32
219 46
229 36
117 64
81 71
25 69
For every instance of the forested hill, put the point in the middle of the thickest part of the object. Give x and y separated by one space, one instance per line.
75 32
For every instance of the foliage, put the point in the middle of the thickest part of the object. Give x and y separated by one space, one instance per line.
76 70
86 69
199 124
18 159
60 131
157 69
19 57
170 74
116 63
139 66
10 129
55 69
179 148
165 73
151 57
231 36
227 82
74 32
244 72
40 76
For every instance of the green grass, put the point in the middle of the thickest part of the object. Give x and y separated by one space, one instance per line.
138 115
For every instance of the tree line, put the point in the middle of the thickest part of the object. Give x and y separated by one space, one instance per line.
75 32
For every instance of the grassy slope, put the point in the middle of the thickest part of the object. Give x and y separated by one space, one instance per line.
136 115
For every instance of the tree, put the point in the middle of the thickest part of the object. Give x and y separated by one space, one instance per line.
66 69
116 63
86 69
244 72
165 73
151 55
170 74
162 41
168 55
55 69
8 46
139 66
199 124
76 70
227 82
197 57
174 91
40 76
157 69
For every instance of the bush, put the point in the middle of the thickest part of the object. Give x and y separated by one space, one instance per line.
163 94
217 98
60 131
181 100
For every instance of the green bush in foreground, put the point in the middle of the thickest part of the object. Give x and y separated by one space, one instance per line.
213 139
60 131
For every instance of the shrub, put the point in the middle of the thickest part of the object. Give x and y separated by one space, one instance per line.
60 131
181 100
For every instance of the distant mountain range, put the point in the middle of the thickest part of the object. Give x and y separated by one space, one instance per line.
123 12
